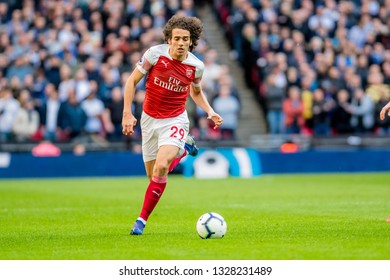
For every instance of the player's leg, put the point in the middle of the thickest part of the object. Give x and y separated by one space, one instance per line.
157 184
140 223
149 168
158 155
176 161
190 148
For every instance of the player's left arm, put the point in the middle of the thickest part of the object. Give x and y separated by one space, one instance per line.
201 100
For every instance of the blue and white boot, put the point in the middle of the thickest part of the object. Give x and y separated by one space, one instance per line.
190 145
138 227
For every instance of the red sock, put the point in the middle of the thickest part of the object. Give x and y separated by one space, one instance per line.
176 161
152 196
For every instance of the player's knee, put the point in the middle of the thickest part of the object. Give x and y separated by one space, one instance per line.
161 167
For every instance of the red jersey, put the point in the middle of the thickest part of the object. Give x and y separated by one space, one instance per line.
168 81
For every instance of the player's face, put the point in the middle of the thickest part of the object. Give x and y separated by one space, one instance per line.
180 42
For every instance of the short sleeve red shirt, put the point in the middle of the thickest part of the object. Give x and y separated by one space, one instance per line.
168 81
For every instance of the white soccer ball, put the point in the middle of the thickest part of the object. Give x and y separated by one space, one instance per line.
211 225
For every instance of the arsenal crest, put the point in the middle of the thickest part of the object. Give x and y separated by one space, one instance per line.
189 73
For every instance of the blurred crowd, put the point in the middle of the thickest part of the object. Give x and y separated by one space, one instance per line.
63 66
318 67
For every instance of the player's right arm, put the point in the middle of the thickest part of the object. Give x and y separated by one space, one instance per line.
128 119
385 109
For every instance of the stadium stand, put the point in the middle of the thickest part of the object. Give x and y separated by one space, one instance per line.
73 57
320 47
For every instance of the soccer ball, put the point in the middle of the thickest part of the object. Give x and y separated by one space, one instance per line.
211 225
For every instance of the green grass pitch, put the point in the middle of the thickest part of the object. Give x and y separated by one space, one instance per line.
281 217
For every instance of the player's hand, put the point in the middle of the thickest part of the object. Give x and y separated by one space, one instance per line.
385 109
128 123
216 119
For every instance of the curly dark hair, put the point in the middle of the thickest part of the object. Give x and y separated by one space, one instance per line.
191 24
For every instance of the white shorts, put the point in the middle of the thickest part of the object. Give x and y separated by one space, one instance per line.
159 132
